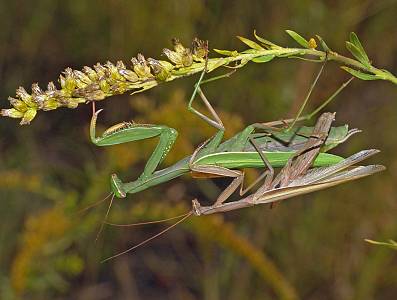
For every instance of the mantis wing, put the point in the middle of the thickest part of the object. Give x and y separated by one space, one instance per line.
314 180
339 178
319 174
322 178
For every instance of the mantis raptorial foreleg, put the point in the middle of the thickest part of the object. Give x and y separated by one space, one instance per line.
128 132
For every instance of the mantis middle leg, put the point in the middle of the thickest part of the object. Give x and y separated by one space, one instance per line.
238 142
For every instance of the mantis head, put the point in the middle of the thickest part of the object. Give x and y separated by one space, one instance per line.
117 186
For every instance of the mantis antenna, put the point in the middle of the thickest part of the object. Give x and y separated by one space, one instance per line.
104 219
184 217
94 204
145 223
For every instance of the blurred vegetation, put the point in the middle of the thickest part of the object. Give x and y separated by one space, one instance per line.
310 247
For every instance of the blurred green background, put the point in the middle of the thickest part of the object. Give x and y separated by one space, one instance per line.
309 247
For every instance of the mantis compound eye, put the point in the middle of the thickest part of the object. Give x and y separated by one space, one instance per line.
116 186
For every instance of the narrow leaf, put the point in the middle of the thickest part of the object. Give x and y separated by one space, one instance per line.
392 244
356 42
226 52
265 42
360 75
298 38
323 44
250 43
263 59
357 53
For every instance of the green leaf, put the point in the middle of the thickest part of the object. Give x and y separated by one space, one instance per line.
392 244
263 58
356 42
298 38
265 42
357 53
227 52
360 75
250 43
323 44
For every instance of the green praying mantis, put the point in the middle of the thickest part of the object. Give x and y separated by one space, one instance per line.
214 158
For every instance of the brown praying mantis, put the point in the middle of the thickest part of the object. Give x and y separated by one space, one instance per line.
297 177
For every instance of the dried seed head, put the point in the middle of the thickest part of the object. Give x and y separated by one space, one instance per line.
18 104
28 116
129 75
112 72
73 102
90 73
181 55
159 71
120 65
82 79
200 49
36 90
110 65
70 81
178 47
100 70
104 86
12 113
51 87
38 96
140 66
141 59
51 104
91 92
174 57
118 88
62 81
187 58
155 65
39 100
95 95
24 96
101 81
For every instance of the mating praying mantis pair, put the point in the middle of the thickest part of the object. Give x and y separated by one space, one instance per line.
299 151
295 149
